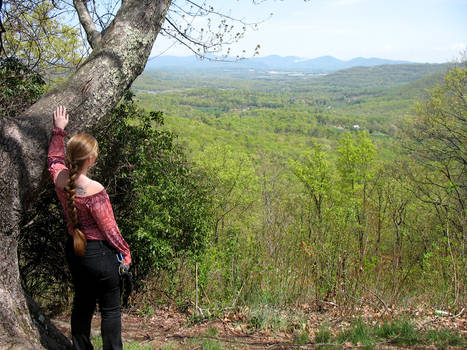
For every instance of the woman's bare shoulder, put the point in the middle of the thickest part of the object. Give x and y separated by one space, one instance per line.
93 188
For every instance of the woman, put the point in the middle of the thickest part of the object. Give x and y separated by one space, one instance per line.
94 236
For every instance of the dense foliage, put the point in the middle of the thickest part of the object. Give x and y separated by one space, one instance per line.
161 202
20 87
34 34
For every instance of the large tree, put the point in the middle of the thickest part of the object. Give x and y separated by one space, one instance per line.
118 56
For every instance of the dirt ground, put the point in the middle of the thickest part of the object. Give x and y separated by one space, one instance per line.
168 329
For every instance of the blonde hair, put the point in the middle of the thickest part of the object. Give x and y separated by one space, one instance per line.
79 148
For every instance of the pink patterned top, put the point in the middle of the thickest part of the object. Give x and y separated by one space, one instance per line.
95 215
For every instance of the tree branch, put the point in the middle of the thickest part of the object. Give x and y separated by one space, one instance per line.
2 31
93 35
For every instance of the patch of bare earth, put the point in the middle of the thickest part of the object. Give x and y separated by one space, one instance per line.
169 329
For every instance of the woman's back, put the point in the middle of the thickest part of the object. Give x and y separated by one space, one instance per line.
84 185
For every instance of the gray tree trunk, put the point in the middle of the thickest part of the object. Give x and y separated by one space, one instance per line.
89 94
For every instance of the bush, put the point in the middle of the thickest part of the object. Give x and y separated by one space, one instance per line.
21 87
323 336
161 204
358 333
402 332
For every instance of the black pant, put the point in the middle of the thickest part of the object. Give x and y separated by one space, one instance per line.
95 278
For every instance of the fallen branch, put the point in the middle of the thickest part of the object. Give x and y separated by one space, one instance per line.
459 314
380 299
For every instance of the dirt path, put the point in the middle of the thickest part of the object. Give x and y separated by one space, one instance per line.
168 329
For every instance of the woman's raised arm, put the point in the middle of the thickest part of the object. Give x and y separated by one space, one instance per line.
56 154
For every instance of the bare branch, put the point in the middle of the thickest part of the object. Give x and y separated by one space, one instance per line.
197 53
93 35
215 30
210 10
199 43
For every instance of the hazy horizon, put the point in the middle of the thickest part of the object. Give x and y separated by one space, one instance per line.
424 31
300 57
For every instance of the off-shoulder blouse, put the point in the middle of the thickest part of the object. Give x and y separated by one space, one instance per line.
95 215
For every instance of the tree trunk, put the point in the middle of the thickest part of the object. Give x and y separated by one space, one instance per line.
89 94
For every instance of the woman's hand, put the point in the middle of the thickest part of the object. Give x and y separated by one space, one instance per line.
61 117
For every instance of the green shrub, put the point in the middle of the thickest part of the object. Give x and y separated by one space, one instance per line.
401 332
146 311
161 204
97 342
170 346
323 336
300 336
21 87
211 332
267 317
358 333
205 344
444 337
208 344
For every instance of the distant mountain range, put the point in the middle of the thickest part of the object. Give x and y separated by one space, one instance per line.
324 64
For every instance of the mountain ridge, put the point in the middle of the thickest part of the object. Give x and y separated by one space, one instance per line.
322 64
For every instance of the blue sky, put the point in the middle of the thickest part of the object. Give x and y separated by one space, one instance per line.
414 30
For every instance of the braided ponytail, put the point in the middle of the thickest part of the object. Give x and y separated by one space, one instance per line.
79 239
79 148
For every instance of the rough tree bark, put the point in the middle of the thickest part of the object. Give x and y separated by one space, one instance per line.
119 56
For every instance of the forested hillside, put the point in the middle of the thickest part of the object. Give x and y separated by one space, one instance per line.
254 110
328 187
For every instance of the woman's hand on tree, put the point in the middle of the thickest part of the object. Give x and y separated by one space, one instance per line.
61 117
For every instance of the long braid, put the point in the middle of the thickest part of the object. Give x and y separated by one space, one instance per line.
79 148
79 239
